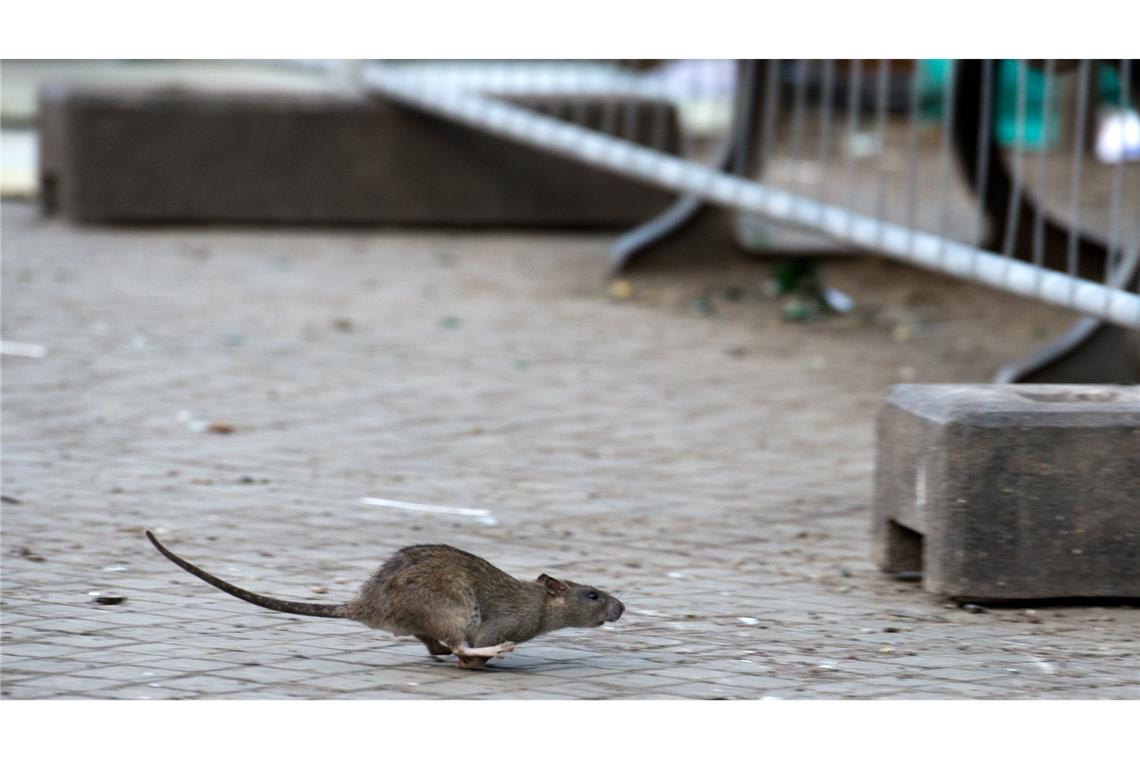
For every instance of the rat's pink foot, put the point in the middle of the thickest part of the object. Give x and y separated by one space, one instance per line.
496 651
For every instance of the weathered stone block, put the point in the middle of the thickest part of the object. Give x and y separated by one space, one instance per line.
171 154
1011 491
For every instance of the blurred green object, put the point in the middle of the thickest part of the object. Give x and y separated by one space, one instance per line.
800 281
1108 85
933 79
1041 127
1042 123
797 276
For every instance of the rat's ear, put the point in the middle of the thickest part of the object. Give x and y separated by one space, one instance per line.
554 587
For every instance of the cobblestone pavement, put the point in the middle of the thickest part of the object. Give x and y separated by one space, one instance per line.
704 460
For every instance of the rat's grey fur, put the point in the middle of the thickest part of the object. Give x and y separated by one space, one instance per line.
451 600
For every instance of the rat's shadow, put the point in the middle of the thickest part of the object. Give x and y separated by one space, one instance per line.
513 663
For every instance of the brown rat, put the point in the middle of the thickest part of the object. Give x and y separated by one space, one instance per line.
451 600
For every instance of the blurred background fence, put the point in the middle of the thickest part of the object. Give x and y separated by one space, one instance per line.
1022 175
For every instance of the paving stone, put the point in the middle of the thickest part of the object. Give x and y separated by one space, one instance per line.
30 667
522 694
134 691
201 684
28 649
190 664
66 684
264 674
129 673
382 694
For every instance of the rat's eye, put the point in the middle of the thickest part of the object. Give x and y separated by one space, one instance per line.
593 596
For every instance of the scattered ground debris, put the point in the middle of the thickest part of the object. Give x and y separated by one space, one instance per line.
744 294
702 307
924 617
10 499
837 301
194 424
198 425
973 608
103 597
29 554
805 297
450 322
341 324
621 290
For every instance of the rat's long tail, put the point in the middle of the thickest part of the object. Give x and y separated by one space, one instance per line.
280 605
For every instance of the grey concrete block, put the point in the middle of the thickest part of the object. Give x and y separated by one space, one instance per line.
167 154
1011 491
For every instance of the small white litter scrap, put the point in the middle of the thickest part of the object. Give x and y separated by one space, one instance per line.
192 423
27 350
482 516
749 620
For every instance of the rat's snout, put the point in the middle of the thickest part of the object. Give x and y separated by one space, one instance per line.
614 610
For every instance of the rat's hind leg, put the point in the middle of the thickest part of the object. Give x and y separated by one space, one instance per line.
450 623
434 646
472 662
476 658
498 650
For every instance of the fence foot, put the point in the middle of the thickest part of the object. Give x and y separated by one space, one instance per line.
734 156
1090 351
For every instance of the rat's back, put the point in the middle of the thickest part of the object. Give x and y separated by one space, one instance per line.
419 584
